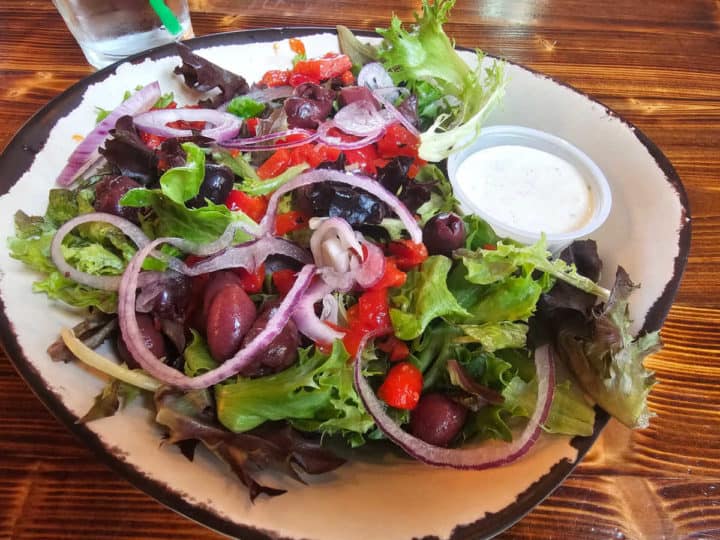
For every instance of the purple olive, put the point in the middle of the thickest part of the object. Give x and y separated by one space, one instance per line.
443 234
152 338
437 419
173 300
280 354
108 193
229 317
309 105
216 186
351 94
218 281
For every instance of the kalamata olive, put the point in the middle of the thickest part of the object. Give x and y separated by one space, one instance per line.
108 193
444 233
217 282
351 94
282 351
309 105
174 298
437 419
152 337
230 316
216 186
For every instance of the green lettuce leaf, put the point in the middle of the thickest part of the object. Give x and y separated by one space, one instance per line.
316 394
495 336
423 298
425 60
198 359
609 363
245 107
181 184
58 287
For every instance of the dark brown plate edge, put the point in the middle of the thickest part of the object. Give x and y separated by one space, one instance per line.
17 157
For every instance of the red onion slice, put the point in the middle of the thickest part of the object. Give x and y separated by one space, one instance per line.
371 270
86 152
481 457
336 142
330 244
359 118
255 144
105 283
155 367
374 75
396 114
355 180
306 319
224 125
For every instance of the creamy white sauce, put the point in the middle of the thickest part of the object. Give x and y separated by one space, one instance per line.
526 188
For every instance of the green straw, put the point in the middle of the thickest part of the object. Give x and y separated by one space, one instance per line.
167 17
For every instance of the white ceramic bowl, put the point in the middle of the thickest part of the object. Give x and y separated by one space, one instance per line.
511 135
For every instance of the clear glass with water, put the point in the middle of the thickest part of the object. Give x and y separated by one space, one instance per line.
110 30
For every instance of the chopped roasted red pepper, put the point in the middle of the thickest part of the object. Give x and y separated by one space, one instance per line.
408 254
347 78
151 141
254 207
251 124
364 158
276 164
322 69
397 349
402 386
398 141
284 280
290 221
392 277
276 77
197 125
251 282
297 46
370 314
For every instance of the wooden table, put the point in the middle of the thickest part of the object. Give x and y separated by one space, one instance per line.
655 63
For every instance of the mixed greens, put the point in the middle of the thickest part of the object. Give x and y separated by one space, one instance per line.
287 265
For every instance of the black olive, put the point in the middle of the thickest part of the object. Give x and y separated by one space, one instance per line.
216 186
443 234
108 193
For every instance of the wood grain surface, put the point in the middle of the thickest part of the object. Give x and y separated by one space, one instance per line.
656 63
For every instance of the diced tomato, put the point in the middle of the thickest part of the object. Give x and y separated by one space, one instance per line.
297 46
397 349
392 277
251 282
398 141
352 339
402 386
152 141
276 164
322 69
284 280
251 124
408 254
290 221
254 207
276 77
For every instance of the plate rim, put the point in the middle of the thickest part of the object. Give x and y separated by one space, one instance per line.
18 155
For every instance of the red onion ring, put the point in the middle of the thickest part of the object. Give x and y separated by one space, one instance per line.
359 118
254 144
355 180
86 154
339 230
155 367
105 283
374 75
336 142
307 321
225 125
372 268
396 114
482 457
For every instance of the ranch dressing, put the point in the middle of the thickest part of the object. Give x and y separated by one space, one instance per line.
526 188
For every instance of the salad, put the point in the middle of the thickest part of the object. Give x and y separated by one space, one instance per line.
283 264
